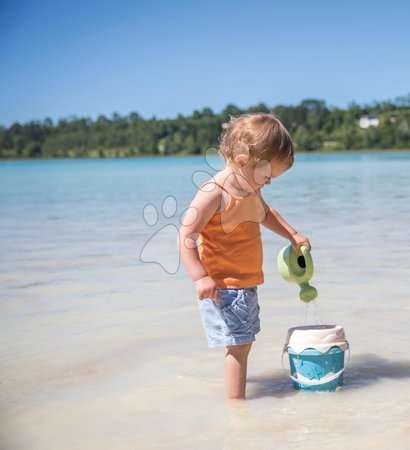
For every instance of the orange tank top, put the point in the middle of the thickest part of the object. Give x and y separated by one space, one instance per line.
230 244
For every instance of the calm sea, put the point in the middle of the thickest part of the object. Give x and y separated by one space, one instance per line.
101 350
92 211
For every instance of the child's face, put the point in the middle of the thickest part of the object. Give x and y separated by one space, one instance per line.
259 174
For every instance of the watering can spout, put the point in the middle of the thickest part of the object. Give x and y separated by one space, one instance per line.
307 293
298 269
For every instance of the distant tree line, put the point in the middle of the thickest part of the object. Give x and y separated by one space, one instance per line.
313 125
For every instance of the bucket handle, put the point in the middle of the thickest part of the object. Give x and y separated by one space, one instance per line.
315 382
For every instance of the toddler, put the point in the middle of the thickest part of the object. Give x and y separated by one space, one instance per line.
220 238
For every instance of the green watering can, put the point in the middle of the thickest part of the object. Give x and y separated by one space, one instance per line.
298 269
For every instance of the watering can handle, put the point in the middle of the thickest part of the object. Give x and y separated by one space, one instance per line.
306 254
316 382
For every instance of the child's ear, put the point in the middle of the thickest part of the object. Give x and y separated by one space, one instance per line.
241 160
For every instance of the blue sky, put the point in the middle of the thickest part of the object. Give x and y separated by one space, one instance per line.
163 58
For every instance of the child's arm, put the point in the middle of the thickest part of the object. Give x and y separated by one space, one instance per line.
276 223
205 204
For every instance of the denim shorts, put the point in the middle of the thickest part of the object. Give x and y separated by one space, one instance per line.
234 321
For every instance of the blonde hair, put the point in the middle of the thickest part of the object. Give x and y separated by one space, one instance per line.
262 136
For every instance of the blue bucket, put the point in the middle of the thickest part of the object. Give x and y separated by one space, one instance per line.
316 357
315 368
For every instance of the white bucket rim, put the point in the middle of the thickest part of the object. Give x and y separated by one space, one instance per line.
317 337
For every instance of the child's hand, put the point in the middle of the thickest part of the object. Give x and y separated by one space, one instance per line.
206 288
297 240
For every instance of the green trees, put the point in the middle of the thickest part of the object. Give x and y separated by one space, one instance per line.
313 125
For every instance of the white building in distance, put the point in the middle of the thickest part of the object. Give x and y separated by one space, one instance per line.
369 121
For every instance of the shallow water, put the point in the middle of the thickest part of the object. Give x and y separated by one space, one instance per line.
100 350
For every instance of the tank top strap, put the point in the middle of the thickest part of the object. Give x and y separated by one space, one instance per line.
217 184
231 199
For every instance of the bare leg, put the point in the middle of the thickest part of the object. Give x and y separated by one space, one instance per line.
235 365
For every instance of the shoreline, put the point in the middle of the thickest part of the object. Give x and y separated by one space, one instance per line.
184 155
